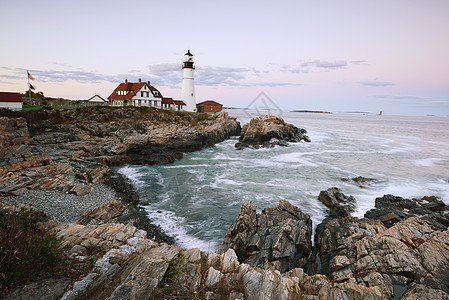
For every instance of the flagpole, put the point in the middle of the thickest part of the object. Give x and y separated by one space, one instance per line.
29 87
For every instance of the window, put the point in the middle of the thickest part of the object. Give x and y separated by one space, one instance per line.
141 94
155 93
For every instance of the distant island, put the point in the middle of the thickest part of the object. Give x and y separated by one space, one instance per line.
312 111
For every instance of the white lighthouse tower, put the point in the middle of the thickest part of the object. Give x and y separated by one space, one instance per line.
188 88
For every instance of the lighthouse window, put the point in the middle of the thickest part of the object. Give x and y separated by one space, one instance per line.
192 94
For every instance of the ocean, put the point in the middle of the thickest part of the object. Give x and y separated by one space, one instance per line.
198 197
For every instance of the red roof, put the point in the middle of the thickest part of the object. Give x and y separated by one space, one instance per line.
179 102
210 102
167 101
132 88
10 97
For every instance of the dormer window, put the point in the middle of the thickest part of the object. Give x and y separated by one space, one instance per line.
155 93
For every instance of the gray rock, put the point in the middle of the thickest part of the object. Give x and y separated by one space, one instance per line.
279 237
392 209
339 204
213 277
46 289
268 131
80 189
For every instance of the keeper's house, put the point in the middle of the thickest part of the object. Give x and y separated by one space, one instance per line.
135 94
169 103
12 101
209 107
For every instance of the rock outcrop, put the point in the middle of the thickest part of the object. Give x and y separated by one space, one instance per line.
392 209
339 204
73 149
269 131
401 245
361 259
132 266
279 237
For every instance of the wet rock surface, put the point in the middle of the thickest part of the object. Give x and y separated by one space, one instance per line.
70 150
391 209
339 204
269 131
279 236
360 259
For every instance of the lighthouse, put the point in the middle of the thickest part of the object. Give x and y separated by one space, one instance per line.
188 88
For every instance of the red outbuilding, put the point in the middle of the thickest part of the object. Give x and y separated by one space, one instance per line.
209 106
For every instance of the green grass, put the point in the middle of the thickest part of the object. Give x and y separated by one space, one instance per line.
26 252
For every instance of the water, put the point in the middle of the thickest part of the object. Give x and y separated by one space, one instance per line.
197 198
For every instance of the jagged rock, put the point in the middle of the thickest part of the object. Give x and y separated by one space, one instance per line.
213 277
339 204
368 262
360 180
366 252
96 175
92 137
268 131
105 214
420 291
13 132
80 189
279 236
392 209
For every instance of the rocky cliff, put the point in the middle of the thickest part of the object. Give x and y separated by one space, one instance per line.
71 149
269 131
264 256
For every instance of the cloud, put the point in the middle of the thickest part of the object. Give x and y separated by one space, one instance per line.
228 76
340 64
376 83
165 74
400 98
440 102
169 74
309 66
359 62
62 76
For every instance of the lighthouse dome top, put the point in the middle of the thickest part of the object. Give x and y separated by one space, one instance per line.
188 57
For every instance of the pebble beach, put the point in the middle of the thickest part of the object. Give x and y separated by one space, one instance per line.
61 206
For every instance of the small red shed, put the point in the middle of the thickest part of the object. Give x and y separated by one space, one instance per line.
209 106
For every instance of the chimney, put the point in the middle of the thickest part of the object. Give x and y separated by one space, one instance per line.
148 82
126 81
140 80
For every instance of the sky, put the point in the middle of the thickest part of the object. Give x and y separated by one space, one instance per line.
340 56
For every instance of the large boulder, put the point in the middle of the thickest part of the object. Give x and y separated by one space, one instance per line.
367 253
268 131
279 237
392 209
339 204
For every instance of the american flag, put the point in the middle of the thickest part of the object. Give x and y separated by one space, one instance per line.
29 76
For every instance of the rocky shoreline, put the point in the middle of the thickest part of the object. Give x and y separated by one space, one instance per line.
399 249
61 161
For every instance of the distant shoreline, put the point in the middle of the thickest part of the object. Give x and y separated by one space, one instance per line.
312 111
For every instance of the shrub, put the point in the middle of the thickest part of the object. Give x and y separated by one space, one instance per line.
26 252
200 117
